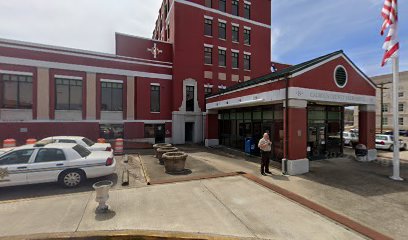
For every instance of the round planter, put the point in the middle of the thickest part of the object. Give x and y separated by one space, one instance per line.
159 145
174 162
162 150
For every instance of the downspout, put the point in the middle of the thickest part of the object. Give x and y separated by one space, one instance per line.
286 153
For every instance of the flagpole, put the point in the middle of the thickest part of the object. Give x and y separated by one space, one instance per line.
396 157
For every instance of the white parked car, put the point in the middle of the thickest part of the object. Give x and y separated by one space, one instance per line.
386 142
68 163
350 138
83 141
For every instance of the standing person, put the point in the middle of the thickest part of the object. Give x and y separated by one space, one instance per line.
265 146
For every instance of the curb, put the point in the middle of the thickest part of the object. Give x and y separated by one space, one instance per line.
145 174
202 177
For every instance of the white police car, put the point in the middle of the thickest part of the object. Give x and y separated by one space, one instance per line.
83 141
67 163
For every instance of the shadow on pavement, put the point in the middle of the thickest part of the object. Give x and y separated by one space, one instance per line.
50 189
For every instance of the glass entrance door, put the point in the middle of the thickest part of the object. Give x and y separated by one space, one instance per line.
317 141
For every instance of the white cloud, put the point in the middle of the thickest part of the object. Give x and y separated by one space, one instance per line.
89 24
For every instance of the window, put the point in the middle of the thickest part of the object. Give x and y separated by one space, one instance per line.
400 107
82 151
208 3
401 121
111 131
16 157
68 94
384 107
247 36
207 90
400 94
154 98
88 141
221 58
235 59
247 62
49 155
235 34
208 27
222 34
235 7
247 11
190 98
17 91
222 5
149 131
385 120
112 96
207 55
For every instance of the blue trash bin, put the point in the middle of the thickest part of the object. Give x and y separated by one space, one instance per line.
248 145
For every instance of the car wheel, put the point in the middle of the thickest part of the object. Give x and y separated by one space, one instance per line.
392 148
71 178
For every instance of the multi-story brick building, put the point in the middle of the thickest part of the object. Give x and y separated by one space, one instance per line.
150 89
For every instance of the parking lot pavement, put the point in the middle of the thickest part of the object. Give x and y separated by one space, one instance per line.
136 179
229 206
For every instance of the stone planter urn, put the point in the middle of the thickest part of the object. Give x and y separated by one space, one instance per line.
159 145
162 150
102 195
174 162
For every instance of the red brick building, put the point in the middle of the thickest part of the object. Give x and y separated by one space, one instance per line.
150 89
153 90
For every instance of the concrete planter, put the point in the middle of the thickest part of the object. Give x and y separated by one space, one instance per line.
160 145
102 195
162 150
174 162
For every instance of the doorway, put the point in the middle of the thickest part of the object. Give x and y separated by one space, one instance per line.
316 143
189 128
159 133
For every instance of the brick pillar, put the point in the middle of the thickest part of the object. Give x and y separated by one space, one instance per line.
297 162
211 129
366 129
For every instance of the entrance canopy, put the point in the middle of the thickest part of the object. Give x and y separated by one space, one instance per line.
332 78
301 106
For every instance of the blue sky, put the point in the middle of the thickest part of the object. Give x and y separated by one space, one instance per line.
301 29
304 29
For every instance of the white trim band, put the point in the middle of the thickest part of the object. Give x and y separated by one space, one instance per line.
154 84
111 80
222 21
247 53
16 73
208 17
235 24
222 48
247 28
82 68
68 77
208 45
234 50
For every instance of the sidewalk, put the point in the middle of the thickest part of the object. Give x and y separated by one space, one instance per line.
229 206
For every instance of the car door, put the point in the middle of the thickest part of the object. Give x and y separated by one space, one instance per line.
14 166
47 165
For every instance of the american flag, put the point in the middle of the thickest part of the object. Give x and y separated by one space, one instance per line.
390 15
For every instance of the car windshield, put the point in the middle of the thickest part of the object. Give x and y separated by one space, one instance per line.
83 152
88 141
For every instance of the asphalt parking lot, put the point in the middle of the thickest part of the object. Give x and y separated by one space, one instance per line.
136 179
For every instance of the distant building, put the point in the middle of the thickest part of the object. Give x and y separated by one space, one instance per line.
385 82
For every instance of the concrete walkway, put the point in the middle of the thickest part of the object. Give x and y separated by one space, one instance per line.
229 206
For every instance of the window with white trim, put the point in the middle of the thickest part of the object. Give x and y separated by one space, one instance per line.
247 62
222 31
154 98
384 107
400 107
235 7
207 55
208 3
247 36
207 90
235 57
222 5
247 11
190 98
400 121
222 58
235 33
68 94
400 94
385 120
111 96
207 27
17 91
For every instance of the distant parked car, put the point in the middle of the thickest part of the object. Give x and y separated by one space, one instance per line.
386 142
67 163
83 141
401 133
350 138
